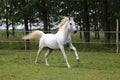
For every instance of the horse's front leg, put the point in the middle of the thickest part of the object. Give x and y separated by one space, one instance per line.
74 49
63 52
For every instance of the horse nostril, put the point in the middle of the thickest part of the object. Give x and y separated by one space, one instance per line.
75 31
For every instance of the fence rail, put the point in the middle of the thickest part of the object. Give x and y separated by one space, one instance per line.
17 39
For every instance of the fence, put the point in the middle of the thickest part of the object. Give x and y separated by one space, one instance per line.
16 42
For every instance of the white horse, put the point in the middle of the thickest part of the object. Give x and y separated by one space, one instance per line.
55 41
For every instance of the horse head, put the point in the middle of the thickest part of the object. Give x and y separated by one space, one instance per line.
71 25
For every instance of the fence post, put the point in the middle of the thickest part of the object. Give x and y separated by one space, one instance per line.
25 46
117 36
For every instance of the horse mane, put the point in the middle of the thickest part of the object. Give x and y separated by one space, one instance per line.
63 21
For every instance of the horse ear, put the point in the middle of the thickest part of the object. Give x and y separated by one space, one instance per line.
70 18
64 16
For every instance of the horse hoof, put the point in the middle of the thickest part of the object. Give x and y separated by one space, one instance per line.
36 63
47 64
69 66
78 60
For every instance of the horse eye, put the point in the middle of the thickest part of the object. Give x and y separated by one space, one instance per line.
70 23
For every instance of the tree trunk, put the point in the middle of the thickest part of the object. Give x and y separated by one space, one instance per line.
26 26
26 32
119 27
13 29
81 24
7 28
45 16
96 29
97 32
7 25
45 22
106 22
86 21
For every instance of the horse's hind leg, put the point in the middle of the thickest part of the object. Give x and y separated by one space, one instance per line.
38 53
46 56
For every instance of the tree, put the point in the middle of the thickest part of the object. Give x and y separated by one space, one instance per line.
25 12
86 22
94 11
42 9
106 25
114 13
6 16
45 14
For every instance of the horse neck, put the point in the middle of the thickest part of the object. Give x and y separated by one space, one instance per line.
64 32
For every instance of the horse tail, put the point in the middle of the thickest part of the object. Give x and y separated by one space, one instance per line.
34 35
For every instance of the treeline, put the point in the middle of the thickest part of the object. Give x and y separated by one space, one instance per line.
90 15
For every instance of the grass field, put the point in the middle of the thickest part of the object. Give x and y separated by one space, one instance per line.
19 65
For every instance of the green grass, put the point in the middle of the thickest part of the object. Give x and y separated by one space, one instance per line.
19 65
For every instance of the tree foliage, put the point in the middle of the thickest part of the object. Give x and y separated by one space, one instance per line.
93 15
